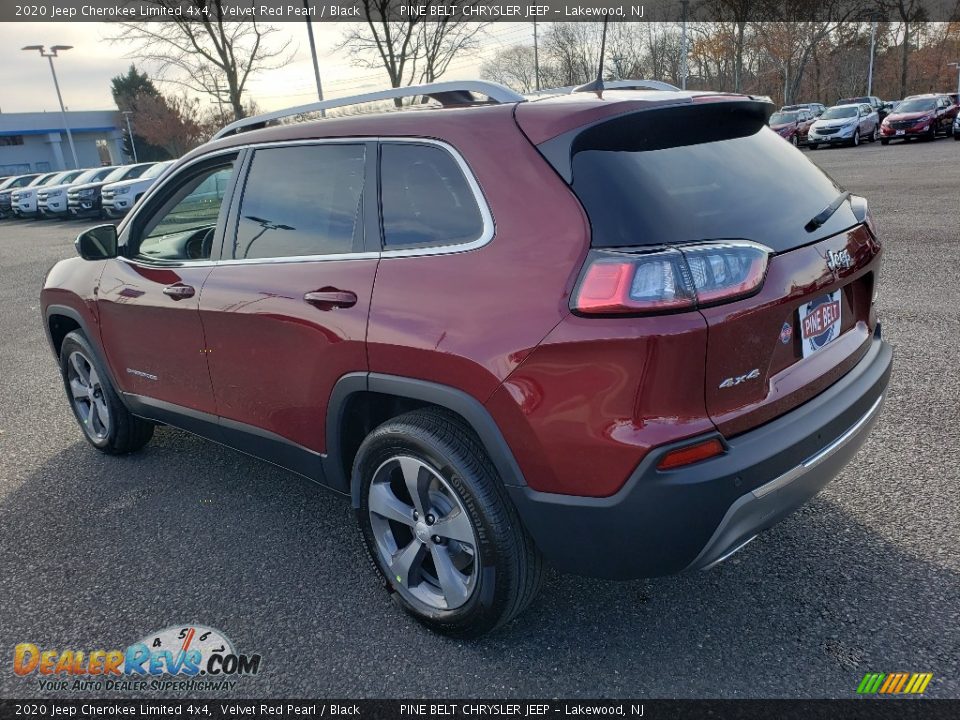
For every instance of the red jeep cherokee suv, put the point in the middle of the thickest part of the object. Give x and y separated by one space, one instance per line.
620 332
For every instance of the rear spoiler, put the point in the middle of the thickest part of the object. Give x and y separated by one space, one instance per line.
688 122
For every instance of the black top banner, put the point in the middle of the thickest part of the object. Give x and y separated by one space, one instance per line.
275 11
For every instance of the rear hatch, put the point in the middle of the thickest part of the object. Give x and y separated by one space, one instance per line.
704 183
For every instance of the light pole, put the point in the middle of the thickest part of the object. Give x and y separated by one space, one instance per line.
313 53
683 44
133 145
63 111
536 56
873 42
957 66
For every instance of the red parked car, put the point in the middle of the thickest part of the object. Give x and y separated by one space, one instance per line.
792 125
919 116
622 334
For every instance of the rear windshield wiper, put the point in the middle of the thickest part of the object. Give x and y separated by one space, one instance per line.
821 218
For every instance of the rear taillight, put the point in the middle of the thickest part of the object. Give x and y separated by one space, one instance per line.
680 278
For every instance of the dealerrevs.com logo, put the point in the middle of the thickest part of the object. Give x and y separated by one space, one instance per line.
179 658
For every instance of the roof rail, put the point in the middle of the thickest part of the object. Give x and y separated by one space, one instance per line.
454 92
613 85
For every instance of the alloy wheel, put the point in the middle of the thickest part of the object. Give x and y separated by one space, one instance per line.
86 392
423 534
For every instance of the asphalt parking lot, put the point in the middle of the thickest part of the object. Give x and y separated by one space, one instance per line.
96 551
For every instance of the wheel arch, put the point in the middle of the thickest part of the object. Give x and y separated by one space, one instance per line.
60 321
361 401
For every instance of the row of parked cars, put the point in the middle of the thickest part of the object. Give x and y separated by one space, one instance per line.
854 120
94 192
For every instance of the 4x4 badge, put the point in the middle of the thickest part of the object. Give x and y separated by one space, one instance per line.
731 381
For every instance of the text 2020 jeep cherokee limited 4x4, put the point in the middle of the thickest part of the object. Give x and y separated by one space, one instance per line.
623 333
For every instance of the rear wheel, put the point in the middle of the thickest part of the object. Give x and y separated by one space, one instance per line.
439 527
105 422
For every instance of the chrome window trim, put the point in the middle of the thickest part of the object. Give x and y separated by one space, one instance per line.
487 234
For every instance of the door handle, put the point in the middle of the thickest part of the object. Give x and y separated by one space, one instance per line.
179 291
328 298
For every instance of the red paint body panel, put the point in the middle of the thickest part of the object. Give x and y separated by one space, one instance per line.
148 332
468 319
745 335
274 358
72 283
589 403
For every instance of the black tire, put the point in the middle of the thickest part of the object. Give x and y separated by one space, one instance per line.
884 141
507 568
123 432
855 141
795 140
813 146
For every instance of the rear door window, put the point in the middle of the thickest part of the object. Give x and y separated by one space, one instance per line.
302 200
425 197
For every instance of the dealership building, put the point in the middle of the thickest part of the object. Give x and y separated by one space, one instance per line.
37 142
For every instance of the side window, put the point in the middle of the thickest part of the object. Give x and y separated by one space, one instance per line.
302 200
425 198
184 226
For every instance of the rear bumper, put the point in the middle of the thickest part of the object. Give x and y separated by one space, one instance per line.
663 522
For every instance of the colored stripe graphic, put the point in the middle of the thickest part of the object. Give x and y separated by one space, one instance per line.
894 683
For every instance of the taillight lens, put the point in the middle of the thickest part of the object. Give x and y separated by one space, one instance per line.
691 454
681 278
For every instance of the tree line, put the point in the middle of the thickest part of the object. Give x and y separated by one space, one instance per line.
206 63
788 61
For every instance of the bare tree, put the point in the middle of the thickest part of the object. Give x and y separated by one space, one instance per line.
513 66
414 46
201 52
908 12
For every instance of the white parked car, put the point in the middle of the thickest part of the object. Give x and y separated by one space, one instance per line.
844 125
119 197
52 199
31 187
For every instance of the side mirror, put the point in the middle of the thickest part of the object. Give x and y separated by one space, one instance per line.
97 243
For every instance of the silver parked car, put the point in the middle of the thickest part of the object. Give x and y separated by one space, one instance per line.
844 125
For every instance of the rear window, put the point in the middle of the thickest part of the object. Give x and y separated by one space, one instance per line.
755 187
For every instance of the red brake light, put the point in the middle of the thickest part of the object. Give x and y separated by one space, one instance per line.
691 454
667 280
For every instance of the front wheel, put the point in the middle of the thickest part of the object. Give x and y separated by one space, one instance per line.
105 422
874 136
856 139
440 528
884 141
795 140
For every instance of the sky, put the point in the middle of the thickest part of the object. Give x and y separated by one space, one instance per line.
85 71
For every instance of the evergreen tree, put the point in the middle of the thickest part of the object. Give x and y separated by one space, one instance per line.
126 89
